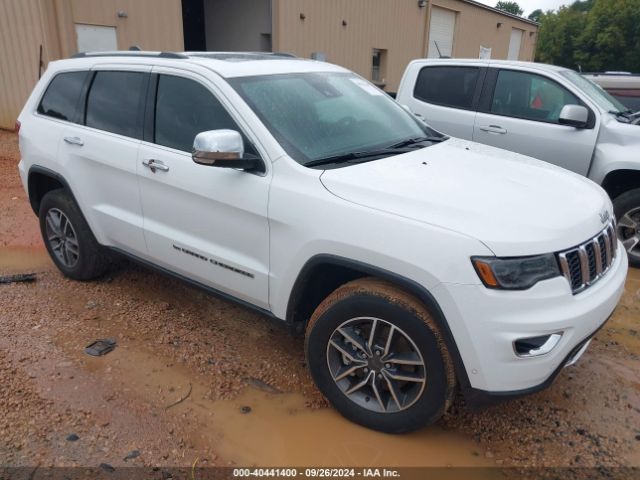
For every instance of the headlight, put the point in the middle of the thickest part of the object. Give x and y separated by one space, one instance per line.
518 273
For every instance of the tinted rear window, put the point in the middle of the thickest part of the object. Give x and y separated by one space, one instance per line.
449 86
113 101
61 98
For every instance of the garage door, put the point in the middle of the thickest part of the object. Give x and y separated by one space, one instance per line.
441 28
93 38
514 44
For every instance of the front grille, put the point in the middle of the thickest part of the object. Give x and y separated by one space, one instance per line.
585 264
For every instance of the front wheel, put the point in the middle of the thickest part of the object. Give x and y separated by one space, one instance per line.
627 210
377 355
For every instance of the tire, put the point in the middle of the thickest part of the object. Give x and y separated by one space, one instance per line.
79 256
353 308
627 210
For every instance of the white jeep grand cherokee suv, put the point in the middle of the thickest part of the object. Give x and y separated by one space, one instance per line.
415 263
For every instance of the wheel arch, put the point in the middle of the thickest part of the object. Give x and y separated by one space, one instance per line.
40 181
617 182
323 273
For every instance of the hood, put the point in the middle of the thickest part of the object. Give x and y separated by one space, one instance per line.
514 204
619 133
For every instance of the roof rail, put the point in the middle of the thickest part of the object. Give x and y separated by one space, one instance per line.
123 53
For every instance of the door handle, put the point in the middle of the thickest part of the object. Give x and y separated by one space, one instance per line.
497 129
74 141
155 165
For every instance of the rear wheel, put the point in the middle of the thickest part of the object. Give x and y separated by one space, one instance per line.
376 354
627 210
68 238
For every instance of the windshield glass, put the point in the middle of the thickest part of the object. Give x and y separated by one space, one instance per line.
595 92
319 115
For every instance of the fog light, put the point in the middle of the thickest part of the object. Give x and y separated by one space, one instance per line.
536 346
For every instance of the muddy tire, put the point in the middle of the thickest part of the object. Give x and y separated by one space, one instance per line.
377 355
69 240
627 210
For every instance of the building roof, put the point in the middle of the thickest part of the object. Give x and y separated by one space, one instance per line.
501 12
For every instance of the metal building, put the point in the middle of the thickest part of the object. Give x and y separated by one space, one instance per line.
376 38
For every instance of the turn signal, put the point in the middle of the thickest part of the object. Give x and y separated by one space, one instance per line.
485 273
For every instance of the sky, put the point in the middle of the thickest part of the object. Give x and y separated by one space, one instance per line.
530 5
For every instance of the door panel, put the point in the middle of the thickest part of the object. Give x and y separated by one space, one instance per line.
104 154
522 116
515 42
206 223
108 192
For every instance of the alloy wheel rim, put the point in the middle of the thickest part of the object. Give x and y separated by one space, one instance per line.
629 232
62 238
376 365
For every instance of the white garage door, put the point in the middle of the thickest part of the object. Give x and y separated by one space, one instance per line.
514 44
92 38
441 28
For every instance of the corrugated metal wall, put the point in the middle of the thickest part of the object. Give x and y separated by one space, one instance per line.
27 24
21 34
397 26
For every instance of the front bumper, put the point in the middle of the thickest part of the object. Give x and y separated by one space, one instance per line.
485 323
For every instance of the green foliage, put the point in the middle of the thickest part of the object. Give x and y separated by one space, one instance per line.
536 15
511 7
596 35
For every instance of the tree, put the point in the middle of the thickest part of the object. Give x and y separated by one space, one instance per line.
595 35
536 15
510 7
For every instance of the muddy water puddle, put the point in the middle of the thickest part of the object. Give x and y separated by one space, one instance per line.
23 260
269 429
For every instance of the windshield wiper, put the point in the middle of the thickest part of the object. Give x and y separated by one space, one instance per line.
414 141
356 157
623 113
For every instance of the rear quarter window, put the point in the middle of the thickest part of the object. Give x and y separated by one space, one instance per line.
447 86
60 100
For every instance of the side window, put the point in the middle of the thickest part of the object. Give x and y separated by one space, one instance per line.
62 95
448 86
185 108
530 96
113 103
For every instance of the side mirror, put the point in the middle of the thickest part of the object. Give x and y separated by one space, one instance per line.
224 149
574 116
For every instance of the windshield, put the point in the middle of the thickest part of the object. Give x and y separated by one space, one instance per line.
595 92
316 116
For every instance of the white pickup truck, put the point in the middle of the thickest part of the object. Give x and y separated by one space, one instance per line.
542 111
415 263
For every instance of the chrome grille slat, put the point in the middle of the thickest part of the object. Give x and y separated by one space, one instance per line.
607 246
585 264
598 255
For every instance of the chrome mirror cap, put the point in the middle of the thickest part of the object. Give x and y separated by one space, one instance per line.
216 146
574 116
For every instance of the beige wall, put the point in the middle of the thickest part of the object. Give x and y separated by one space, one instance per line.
21 34
477 27
399 26
27 24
